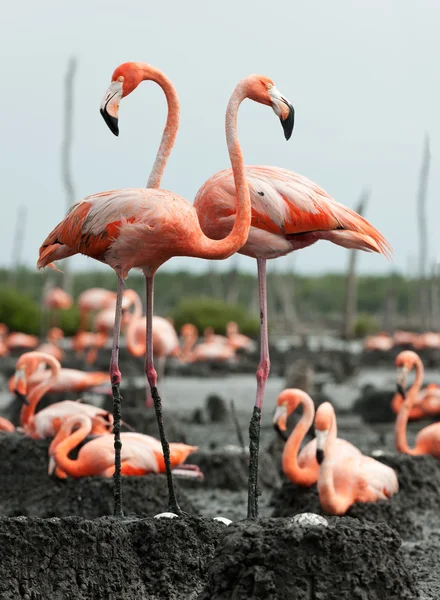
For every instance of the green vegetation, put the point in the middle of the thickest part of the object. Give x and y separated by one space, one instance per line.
200 298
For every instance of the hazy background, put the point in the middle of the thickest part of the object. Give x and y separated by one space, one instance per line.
362 76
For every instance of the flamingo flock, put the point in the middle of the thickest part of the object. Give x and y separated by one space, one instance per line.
259 211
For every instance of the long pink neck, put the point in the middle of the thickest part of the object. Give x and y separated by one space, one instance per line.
73 468
220 249
400 438
171 126
28 411
291 468
331 500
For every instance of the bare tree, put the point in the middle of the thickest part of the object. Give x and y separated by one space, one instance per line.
351 280
423 234
66 152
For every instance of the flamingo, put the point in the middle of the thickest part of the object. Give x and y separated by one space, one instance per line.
54 335
426 340
6 425
143 228
237 340
90 341
93 300
211 349
381 341
289 212
303 468
18 340
428 439
4 350
140 454
358 478
426 402
46 422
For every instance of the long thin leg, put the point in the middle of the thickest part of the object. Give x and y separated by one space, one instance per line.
262 375
115 378
151 374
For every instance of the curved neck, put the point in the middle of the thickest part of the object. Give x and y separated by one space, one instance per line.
331 500
291 468
415 388
400 439
28 410
63 447
135 346
220 249
171 126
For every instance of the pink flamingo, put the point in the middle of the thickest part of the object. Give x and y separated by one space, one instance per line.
141 454
289 212
237 340
46 422
4 350
54 335
358 478
143 228
93 300
17 340
302 467
6 425
381 341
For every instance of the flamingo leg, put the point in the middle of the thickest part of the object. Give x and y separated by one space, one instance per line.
262 375
151 374
115 378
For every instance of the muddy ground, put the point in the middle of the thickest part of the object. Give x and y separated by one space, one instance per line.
58 540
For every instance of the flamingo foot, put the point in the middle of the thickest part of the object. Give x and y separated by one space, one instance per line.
254 446
173 505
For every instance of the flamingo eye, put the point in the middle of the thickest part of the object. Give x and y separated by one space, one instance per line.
120 78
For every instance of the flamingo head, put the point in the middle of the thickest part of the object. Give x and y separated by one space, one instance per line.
405 361
287 403
323 421
20 384
262 89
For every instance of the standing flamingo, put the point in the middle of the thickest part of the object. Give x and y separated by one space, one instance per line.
46 422
93 300
302 467
143 228
358 478
289 212
141 454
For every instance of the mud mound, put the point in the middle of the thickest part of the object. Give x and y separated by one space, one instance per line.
424 559
278 558
229 469
419 482
28 490
104 559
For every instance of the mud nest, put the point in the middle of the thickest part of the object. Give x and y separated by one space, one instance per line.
229 469
105 559
419 482
28 490
279 558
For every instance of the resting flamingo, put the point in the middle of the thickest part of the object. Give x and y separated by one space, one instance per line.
17 340
358 478
143 228
426 402
46 422
303 468
289 212
141 454
52 347
6 425
381 341
428 439
88 343
93 300
237 340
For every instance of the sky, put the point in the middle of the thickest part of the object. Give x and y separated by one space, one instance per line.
362 76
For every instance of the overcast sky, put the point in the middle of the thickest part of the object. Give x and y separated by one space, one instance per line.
362 75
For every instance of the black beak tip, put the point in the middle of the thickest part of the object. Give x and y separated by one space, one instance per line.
288 123
319 456
112 122
282 434
21 397
401 391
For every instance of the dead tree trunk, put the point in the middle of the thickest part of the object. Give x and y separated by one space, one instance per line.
66 154
351 280
423 235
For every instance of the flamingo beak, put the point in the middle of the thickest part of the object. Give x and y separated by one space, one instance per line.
284 110
401 381
20 385
401 390
52 465
110 106
280 421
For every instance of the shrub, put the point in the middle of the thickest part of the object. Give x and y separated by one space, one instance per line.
365 325
19 312
212 312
